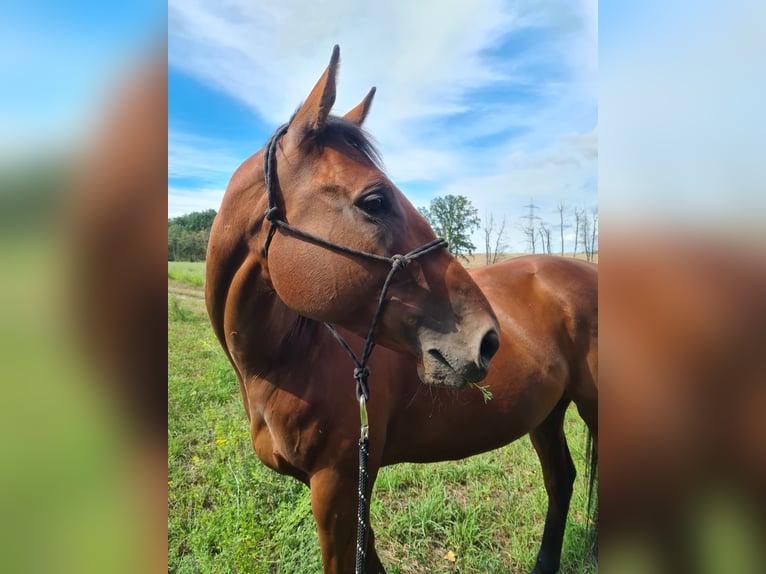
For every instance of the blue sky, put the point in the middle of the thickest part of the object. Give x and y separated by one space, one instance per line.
493 100
681 105
496 101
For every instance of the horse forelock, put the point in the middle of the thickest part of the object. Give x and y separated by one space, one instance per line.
340 131
347 137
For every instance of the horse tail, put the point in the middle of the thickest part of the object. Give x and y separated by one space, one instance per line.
591 475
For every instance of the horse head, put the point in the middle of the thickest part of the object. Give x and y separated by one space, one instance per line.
329 184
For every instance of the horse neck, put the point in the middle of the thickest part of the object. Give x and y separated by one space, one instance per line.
261 334
246 314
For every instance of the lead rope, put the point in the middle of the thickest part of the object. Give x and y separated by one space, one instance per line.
361 372
361 509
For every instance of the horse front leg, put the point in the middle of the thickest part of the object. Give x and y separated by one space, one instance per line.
334 505
559 474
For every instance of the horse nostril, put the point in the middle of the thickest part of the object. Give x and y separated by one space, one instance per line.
489 345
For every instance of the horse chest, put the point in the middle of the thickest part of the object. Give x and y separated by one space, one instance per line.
280 441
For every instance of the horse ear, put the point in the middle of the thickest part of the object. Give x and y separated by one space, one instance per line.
359 113
312 115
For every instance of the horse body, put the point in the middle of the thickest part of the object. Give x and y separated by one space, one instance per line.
305 418
439 324
528 376
685 316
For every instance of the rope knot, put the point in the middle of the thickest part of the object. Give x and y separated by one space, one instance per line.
271 213
360 376
399 262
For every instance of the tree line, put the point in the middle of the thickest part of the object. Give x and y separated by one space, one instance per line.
188 235
455 218
537 232
452 217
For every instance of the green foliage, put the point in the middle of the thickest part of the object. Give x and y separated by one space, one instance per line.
454 218
196 221
486 394
188 235
178 312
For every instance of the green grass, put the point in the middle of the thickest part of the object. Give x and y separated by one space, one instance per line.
177 311
229 513
188 272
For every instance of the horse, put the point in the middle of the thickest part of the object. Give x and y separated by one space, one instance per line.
685 315
289 250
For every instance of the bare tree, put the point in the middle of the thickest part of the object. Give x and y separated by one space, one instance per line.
578 221
585 229
529 228
494 238
561 207
594 231
545 238
501 241
529 235
489 224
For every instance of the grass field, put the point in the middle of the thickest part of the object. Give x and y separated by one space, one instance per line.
480 259
229 513
188 272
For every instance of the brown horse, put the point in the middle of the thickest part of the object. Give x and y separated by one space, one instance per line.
686 317
439 326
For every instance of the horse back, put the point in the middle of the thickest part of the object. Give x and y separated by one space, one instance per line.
564 285
558 297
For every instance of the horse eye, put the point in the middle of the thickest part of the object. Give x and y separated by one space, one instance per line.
374 204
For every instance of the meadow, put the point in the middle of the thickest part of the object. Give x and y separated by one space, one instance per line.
228 513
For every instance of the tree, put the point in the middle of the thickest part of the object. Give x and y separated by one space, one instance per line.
578 221
585 230
196 221
454 218
494 238
529 228
594 232
529 233
174 241
188 235
545 237
561 207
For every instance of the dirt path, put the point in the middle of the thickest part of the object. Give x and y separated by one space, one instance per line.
191 296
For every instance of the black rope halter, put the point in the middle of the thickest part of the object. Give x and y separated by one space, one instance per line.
361 372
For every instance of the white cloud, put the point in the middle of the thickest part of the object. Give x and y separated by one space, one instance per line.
181 200
422 57
207 162
193 156
436 76
586 144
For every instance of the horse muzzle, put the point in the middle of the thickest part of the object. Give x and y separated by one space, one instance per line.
450 361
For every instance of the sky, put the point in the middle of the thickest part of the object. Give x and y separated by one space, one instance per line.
491 99
682 88
656 104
